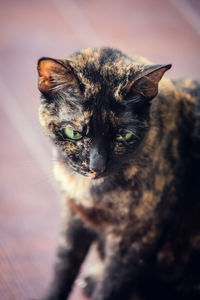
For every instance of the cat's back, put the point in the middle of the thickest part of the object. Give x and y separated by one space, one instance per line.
192 88
189 85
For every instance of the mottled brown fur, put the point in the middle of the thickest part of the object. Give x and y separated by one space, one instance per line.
140 196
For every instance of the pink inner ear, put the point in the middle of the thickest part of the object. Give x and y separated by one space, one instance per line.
46 67
53 74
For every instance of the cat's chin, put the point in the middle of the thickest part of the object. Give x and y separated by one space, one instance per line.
97 180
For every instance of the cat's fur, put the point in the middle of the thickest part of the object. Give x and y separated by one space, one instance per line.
138 198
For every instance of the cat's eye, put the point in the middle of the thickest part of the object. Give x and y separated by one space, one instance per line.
72 134
124 137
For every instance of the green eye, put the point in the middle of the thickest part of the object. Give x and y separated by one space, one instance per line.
124 137
72 134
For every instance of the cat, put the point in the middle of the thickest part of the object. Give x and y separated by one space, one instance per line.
127 159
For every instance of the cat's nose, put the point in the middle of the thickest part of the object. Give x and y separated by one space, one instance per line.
97 162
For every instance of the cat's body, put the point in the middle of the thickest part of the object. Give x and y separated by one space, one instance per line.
128 165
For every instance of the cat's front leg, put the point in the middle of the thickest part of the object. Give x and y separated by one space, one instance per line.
74 243
125 262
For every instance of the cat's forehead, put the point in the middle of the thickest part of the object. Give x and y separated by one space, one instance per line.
83 116
102 68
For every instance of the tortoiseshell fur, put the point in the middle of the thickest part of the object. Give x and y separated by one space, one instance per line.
144 207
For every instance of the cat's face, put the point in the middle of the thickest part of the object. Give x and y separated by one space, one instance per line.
95 108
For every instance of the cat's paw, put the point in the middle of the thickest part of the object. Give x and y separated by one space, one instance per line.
87 284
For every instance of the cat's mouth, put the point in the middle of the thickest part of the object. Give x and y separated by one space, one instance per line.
94 175
98 176
91 174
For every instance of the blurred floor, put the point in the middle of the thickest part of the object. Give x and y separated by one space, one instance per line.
164 31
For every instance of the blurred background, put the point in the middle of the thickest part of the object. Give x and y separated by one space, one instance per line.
165 31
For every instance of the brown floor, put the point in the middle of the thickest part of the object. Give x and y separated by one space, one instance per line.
165 31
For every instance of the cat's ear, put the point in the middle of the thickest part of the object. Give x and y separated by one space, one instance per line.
146 83
53 75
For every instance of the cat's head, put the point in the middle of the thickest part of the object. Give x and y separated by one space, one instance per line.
95 107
